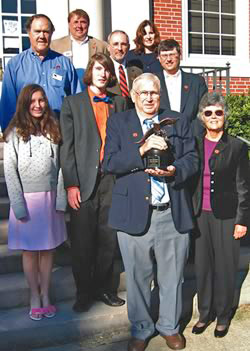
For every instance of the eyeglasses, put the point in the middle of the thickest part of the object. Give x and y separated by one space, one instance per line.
144 94
218 113
169 56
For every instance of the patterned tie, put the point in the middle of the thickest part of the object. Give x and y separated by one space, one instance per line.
123 82
106 99
157 185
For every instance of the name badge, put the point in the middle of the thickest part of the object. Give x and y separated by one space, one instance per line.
67 53
57 76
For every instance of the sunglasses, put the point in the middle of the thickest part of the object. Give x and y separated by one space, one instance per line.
218 113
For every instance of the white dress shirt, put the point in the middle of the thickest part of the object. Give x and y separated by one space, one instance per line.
173 84
165 199
80 53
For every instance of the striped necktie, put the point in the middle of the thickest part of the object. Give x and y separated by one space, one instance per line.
123 82
157 185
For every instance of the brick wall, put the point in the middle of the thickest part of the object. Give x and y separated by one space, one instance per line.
237 85
167 16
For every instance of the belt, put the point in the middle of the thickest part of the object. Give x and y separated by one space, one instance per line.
160 207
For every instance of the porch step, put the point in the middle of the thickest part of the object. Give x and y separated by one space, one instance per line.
3 231
4 208
3 187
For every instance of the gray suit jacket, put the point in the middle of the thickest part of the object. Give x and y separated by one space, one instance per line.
81 142
64 46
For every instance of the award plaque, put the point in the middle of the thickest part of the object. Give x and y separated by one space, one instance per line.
155 158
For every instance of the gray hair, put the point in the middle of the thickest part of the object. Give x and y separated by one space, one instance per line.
146 76
117 31
211 99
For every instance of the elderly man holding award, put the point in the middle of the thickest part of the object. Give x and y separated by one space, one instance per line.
152 154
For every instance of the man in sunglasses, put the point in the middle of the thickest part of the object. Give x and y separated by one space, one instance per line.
181 91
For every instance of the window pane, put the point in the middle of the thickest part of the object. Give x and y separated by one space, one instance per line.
228 46
227 24
24 20
9 6
212 5
195 44
195 5
212 44
228 6
25 43
195 22
28 6
10 25
10 45
211 23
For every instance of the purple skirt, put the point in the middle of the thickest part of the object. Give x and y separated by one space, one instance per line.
43 229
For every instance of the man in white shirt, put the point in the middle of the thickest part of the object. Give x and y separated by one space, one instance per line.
118 46
78 45
181 91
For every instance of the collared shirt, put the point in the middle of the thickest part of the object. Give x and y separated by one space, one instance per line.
117 65
173 84
55 73
101 111
166 197
80 53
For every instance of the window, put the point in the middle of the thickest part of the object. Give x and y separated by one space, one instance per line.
212 27
13 36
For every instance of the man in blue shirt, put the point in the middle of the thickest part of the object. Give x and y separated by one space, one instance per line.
40 65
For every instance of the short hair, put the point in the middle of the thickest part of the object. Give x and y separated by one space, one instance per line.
34 17
117 31
140 32
79 13
106 62
212 99
146 76
169 44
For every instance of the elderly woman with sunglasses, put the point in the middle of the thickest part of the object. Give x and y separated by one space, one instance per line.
221 206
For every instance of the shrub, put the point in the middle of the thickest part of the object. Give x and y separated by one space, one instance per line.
239 116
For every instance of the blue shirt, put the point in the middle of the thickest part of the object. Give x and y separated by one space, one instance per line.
55 73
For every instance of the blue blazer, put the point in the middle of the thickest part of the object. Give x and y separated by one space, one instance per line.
131 194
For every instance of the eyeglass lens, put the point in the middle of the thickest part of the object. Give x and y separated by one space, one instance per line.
218 113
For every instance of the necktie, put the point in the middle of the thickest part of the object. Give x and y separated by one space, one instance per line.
123 82
106 99
157 185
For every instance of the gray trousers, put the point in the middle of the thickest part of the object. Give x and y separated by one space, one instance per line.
170 250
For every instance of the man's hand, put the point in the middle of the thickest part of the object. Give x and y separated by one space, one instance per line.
74 197
153 142
239 231
157 172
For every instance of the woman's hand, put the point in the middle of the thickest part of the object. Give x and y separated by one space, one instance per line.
239 231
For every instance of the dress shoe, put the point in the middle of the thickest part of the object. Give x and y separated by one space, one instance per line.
221 333
82 306
199 330
175 342
137 344
110 299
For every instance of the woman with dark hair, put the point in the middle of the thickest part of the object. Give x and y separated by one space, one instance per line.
145 54
36 192
222 207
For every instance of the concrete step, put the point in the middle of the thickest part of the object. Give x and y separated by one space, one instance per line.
1 168
3 231
1 150
11 260
3 188
14 291
4 208
19 333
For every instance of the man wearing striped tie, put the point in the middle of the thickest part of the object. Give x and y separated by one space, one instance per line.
151 210
118 46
